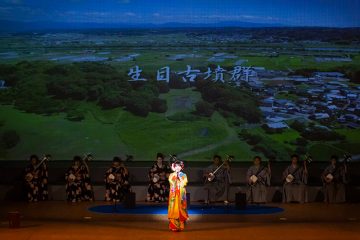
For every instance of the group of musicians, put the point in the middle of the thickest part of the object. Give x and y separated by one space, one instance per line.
217 180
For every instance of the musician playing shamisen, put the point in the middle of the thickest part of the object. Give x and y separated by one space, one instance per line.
177 209
217 180
78 187
334 178
258 179
116 181
295 179
158 190
36 179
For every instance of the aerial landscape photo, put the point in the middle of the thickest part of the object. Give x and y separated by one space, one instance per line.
228 87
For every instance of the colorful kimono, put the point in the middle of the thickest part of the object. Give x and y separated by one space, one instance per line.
257 191
119 186
177 210
220 185
79 187
37 185
295 191
158 189
334 190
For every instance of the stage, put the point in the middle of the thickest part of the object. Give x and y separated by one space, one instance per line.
61 220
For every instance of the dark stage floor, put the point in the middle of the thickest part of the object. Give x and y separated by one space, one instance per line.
60 220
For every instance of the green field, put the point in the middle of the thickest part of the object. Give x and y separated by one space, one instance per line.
111 132
156 49
58 136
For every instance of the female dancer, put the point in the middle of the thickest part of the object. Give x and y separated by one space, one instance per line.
177 210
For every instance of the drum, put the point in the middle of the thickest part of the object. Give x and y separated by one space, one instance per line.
156 178
253 178
289 178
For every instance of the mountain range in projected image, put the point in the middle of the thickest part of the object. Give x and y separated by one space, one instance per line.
227 77
13 26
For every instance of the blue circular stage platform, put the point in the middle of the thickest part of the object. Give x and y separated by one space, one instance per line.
195 209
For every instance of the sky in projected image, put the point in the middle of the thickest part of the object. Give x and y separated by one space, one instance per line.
330 13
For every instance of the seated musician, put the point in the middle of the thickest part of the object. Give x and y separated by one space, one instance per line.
295 180
77 178
116 181
216 184
36 179
258 179
158 189
334 180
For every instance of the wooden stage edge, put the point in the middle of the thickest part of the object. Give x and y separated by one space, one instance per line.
61 220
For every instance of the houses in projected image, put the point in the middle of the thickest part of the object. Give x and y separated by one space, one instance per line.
326 97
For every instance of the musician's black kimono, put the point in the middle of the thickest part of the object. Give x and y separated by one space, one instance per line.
116 183
36 181
78 186
158 189
334 179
